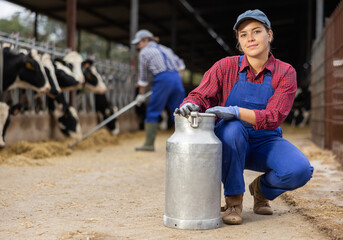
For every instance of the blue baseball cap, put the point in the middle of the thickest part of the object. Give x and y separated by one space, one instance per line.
252 14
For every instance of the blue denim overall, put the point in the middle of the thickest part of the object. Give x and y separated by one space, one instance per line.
285 167
167 90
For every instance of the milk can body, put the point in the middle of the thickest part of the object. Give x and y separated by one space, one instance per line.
193 174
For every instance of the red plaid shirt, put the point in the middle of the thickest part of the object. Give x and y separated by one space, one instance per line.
218 81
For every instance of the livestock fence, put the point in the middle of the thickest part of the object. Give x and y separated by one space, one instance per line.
118 77
327 86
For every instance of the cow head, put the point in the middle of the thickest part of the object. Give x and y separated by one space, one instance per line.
24 71
112 126
68 120
93 81
32 73
74 60
65 77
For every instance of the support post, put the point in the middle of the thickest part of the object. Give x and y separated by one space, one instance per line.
71 29
133 30
173 27
35 25
319 17
78 48
71 23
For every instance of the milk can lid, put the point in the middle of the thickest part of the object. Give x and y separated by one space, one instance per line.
195 118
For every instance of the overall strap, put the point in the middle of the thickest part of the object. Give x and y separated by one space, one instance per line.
165 58
243 74
240 61
267 77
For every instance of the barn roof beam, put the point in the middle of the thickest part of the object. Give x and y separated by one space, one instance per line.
209 29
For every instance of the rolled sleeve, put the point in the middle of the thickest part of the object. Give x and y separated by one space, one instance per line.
180 64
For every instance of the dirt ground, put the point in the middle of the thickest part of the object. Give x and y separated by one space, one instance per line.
105 190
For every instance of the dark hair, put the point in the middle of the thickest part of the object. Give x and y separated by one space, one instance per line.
238 46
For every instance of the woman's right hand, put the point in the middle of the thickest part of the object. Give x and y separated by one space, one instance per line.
186 109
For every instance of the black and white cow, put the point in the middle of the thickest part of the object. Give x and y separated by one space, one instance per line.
301 110
85 72
93 80
24 71
67 79
65 115
5 117
93 83
20 70
74 61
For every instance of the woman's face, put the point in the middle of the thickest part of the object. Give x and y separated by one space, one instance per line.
254 39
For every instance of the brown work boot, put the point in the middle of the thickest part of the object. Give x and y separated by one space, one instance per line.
261 204
233 212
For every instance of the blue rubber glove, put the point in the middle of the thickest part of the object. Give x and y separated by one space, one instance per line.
226 113
186 109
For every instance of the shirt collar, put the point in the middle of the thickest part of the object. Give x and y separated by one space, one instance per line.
269 64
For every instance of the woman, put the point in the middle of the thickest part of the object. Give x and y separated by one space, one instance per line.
252 95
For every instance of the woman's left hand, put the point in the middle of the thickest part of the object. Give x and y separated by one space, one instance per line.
227 113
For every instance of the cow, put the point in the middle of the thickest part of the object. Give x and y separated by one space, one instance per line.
65 115
24 71
93 83
85 72
93 80
301 110
5 115
66 78
20 70
4 121
74 61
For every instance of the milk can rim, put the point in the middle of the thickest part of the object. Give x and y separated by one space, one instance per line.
200 114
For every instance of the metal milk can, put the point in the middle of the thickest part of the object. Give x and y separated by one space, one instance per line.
193 174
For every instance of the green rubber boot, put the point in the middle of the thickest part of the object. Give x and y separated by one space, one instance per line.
150 135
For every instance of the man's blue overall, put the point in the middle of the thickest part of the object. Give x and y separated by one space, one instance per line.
167 90
285 167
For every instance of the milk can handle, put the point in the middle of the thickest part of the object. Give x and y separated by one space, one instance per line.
194 119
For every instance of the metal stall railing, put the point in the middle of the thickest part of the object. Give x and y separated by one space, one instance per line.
334 83
119 81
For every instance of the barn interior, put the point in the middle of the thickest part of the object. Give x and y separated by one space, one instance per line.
199 32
